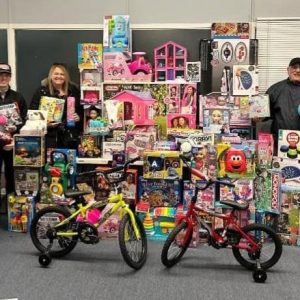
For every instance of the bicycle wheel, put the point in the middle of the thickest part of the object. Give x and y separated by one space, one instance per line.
174 248
42 226
134 251
270 252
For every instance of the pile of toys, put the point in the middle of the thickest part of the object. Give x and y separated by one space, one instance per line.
127 115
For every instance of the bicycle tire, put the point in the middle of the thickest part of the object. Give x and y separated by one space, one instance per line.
170 262
65 244
250 263
135 258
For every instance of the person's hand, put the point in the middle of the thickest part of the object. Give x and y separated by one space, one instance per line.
52 125
76 117
11 128
256 120
8 147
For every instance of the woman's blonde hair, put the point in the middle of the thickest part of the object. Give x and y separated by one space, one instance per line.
63 68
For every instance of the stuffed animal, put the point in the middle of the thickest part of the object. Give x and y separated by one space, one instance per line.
36 122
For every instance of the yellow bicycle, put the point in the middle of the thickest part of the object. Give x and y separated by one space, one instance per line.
55 230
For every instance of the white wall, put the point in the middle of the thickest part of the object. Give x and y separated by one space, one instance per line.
143 11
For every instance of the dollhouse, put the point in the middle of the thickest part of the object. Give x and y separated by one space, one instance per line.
170 62
138 107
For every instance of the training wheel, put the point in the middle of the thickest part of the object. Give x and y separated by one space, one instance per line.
259 275
45 259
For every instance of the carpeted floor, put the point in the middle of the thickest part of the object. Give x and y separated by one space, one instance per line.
98 272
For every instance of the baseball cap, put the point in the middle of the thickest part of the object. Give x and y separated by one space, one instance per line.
294 61
5 68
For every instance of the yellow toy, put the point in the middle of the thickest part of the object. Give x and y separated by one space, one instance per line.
162 165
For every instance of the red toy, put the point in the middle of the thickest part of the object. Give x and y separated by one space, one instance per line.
235 161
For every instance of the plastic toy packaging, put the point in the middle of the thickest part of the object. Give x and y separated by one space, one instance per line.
70 111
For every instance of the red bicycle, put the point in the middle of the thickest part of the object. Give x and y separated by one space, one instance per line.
256 247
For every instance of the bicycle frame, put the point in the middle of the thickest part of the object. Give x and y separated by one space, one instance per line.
118 202
193 218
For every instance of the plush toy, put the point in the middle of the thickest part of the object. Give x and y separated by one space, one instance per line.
36 123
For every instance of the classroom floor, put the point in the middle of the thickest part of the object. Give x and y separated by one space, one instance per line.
99 272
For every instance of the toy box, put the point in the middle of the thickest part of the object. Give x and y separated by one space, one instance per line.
162 165
288 222
267 191
20 212
259 106
237 160
289 168
288 144
29 151
54 107
158 222
9 116
205 198
27 181
181 121
245 80
138 142
119 66
230 30
89 55
188 101
129 187
89 146
215 120
94 124
160 192
116 33
193 71
265 147
111 148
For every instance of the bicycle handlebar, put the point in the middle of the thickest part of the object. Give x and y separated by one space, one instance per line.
197 173
110 171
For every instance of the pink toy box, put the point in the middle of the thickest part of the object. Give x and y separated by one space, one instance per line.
118 66
138 107
181 121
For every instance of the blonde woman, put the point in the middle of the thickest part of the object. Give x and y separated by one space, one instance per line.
59 85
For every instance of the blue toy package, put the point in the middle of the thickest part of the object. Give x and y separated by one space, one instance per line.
160 192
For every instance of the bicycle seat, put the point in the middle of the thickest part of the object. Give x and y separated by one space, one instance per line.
76 193
236 205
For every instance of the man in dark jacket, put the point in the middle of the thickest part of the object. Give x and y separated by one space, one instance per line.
14 121
285 101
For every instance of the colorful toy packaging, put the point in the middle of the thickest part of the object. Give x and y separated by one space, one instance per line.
158 222
89 146
116 34
259 106
20 212
265 147
54 107
160 192
27 181
162 165
29 151
89 56
288 144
